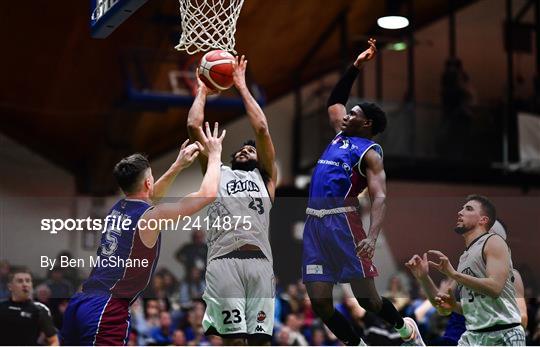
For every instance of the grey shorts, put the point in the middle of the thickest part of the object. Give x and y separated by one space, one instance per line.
509 337
239 297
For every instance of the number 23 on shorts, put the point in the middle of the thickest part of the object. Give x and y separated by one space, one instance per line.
230 317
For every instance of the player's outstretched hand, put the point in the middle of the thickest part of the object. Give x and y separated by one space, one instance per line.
202 87
368 54
445 302
211 141
188 153
444 265
366 248
418 266
239 72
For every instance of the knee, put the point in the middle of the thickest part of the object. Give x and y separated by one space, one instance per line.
371 304
324 308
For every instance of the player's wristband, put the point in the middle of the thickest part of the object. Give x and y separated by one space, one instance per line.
340 93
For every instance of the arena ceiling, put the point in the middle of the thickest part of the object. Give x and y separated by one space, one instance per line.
63 94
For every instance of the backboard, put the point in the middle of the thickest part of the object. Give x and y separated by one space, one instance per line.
107 15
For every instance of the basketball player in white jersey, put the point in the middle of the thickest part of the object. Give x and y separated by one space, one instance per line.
484 280
455 326
239 279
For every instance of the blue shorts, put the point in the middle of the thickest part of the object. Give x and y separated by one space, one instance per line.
95 320
330 249
454 329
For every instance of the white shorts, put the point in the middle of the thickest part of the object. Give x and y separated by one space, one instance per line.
239 297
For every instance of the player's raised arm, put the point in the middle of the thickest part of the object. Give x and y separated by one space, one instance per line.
196 118
194 202
265 148
340 94
376 181
186 156
441 298
419 267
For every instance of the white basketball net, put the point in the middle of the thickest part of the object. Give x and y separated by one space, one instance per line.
208 24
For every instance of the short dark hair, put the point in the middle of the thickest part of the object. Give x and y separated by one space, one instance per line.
376 114
249 142
128 171
17 270
487 207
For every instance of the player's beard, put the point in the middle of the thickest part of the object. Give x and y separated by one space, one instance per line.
462 230
248 165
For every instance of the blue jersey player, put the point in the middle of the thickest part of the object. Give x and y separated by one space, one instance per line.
336 247
129 249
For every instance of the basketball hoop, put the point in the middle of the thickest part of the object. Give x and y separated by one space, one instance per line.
208 24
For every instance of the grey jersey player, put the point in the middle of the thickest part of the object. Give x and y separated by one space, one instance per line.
239 277
483 278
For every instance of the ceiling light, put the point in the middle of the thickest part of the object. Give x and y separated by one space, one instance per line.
393 22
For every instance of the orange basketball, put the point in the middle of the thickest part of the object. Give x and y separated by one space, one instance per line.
216 69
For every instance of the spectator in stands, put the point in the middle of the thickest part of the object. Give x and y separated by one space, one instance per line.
294 323
199 339
179 338
192 288
170 283
290 300
156 289
57 306
145 317
59 286
318 337
43 294
424 314
278 308
283 337
161 335
69 273
192 323
397 294
302 290
193 255
61 290
307 312
133 339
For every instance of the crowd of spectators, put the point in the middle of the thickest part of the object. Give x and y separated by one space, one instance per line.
170 311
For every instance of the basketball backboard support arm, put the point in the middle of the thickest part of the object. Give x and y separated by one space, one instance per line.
156 99
107 15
